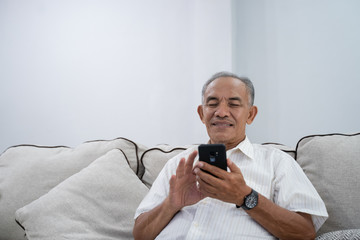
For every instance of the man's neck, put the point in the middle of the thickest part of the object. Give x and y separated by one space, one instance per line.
228 145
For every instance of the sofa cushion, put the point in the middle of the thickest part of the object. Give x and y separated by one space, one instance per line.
27 172
289 150
332 163
131 150
99 202
154 160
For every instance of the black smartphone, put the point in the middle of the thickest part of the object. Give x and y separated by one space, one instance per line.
214 154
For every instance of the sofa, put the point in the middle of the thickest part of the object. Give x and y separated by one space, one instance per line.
92 191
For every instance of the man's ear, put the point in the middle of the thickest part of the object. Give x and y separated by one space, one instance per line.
252 114
200 111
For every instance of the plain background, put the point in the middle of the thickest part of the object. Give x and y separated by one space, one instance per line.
79 70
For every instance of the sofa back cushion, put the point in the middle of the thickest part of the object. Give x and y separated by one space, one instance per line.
332 163
154 159
289 150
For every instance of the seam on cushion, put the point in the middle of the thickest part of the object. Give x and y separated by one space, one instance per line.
136 150
161 150
20 224
60 146
21 227
280 144
32 145
321 135
127 160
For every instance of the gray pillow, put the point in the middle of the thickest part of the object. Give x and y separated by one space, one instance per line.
99 202
350 234
27 172
332 163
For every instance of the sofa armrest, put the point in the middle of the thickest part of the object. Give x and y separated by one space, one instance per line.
348 234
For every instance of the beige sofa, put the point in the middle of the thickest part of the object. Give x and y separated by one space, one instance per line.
92 191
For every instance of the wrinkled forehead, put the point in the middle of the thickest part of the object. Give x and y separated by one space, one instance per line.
226 87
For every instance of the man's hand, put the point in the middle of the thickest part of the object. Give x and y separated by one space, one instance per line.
183 186
231 187
183 192
226 186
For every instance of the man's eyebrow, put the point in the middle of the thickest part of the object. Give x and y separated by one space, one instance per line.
211 98
235 99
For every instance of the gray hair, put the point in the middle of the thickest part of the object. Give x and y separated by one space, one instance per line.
249 85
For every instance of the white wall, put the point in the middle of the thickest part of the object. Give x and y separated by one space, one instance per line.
72 71
304 59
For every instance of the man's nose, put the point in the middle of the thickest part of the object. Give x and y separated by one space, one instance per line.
222 110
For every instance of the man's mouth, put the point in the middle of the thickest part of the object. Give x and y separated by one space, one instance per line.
222 124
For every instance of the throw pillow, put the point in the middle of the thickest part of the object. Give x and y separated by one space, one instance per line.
27 172
349 234
99 202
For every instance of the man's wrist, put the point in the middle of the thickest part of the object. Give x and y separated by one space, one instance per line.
250 201
242 199
246 192
169 207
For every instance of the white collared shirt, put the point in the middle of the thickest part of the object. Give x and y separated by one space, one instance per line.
269 171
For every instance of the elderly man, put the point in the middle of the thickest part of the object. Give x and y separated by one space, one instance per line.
263 195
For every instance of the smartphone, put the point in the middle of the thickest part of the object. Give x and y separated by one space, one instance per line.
214 154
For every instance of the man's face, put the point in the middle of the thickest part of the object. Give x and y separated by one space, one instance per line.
226 111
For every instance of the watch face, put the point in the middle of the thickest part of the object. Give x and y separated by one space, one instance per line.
251 201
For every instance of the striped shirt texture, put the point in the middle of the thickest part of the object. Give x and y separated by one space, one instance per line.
271 172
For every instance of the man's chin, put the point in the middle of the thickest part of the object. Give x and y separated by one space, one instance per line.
221 136
219 139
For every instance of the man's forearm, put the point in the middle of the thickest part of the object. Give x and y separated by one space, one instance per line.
148 225
281 222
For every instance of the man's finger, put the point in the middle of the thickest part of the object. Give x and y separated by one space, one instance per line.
232 166
190 161
218 172
172 183
208 178
180 168
206 188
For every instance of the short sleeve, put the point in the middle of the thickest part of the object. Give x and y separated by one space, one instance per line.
294 191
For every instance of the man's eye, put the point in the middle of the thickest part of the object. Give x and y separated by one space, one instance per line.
234 105
212 104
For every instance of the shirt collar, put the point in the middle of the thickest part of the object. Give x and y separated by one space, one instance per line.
245 147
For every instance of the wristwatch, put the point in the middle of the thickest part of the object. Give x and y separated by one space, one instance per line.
250 201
